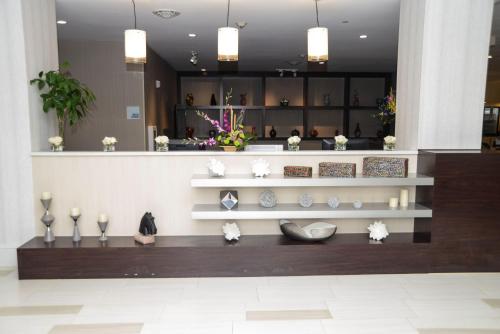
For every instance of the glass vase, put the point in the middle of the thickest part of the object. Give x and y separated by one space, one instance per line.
293 147
161 148
389 147
340 147
56 148
109 148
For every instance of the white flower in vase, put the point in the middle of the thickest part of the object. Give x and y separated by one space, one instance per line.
109 144
216 168
340 143
260 168
162 143
389 143
293 143
56 143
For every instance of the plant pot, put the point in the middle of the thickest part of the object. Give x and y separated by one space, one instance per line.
229 148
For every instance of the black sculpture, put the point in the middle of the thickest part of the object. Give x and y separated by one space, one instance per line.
148 226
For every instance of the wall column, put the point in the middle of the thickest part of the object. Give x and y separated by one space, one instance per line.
28 35
442 66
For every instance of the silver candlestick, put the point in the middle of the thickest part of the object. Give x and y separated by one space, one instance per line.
47 219
102 227
76 231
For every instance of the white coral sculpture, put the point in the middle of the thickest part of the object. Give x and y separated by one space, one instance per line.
260 168
378 231
216 168
231 231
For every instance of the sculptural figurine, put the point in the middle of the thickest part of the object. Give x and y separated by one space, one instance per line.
147 230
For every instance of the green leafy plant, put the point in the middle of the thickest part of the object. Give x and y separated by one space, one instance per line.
66 95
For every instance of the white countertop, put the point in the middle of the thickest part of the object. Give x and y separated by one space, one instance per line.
221 153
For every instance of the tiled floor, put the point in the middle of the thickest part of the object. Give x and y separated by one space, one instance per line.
385 304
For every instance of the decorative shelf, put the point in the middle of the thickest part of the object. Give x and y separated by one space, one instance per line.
280 181
320 210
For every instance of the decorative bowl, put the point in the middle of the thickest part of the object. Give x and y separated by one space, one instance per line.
318 231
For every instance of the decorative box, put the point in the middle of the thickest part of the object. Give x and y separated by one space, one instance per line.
385 167
229 199
298 171
337 169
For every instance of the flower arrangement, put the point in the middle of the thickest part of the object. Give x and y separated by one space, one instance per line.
109 144
230 134
387 113
293 143
340 143
162 143
56 144
389 143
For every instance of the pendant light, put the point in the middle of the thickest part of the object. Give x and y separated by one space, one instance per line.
317 41
227 48
135 43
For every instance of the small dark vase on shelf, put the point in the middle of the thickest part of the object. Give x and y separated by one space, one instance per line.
272 133
211 133
213 101
189 132
243 99
388 130
295 132
357 131
355 98
189 99
314 133
284 102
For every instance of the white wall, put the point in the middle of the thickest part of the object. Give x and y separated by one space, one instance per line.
16 100
442 65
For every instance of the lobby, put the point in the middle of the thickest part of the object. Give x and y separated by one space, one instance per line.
215 166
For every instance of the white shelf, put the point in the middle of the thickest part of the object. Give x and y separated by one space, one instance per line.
277 180
321 210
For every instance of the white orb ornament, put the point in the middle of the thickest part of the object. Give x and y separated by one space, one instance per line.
260 168
216 168
306 200
333 202
231 231
378 231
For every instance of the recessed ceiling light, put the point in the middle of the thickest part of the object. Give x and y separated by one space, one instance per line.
166 13
192 35
321 62
490 56
345 21
363 36
61 22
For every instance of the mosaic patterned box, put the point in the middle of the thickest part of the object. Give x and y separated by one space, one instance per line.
385 167
337 169
298 171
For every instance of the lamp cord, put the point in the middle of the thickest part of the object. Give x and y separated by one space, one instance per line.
227 17
135 16
317 16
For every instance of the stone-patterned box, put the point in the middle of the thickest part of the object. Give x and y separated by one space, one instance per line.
337 169
298 171
385 167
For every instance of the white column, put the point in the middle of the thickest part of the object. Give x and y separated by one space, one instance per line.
24 48
442 66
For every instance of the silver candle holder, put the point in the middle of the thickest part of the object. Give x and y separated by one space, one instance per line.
76 232
47 219
103 226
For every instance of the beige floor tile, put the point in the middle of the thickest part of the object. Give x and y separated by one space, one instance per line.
5 272
130 328
184 327
495 303
278 327
39 310
368 326
288 315
452 322
458 331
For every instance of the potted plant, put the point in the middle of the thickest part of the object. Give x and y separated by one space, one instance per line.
230 135
66 95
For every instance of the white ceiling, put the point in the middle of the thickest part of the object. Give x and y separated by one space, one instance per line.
276 31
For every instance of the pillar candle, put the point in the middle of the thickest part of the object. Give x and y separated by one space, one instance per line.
393 202
102 218
74 212
46 195
403 198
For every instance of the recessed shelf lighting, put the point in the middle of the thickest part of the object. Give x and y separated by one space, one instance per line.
61 22
363 36
192 35
203 69
490 56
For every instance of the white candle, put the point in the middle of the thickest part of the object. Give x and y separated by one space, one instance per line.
102 218
46 195
403 198
393 202
74 212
